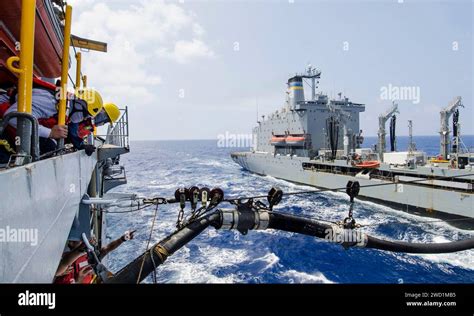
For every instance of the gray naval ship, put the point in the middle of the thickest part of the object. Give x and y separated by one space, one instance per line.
51 198
317 142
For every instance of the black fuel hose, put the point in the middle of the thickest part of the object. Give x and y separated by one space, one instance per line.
295 224
408 247
142 266
307 226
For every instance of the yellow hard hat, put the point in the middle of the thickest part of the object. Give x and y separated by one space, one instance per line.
93 99
112 111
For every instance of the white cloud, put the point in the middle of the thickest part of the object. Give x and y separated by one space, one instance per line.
185 51
198 30
133 33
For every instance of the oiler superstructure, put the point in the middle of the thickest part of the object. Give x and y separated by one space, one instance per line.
46 200
318 142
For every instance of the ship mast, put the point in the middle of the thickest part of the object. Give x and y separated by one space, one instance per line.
313 74
411 144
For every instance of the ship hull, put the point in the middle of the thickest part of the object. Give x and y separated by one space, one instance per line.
40 198
453 206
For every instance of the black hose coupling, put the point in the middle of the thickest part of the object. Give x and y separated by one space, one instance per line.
243 219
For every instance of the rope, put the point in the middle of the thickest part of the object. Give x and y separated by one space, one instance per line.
129 211
148 245
154 266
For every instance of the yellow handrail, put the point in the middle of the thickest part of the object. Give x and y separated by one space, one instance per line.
65 66
78 70
27 47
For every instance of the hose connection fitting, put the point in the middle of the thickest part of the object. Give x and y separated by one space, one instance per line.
243 219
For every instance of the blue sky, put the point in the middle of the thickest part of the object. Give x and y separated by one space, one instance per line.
196 69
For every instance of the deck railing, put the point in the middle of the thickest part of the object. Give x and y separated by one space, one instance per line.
117 134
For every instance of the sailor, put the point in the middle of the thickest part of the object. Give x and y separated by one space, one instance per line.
65 272
83 108
3 96
79 132
7 98
87 102
6 149
75 267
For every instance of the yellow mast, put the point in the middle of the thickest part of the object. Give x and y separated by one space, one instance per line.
27 46
65 67
23 139
78 70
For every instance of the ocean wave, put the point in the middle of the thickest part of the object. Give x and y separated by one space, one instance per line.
293 276
273 256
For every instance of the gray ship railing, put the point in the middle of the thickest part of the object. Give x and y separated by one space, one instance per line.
393 176
118 134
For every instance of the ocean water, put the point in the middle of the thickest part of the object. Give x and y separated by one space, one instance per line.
157 168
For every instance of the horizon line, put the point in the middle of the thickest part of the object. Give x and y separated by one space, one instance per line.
215 139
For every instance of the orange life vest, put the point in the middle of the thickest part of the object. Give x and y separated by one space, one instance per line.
10 132
67 278
80 264
3 108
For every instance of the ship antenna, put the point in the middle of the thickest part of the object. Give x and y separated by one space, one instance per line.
256 104
411 145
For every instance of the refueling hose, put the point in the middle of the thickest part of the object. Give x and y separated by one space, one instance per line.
134 272
300 225
407 247
311 227
244 218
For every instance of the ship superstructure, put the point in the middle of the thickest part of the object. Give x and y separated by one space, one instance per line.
318 142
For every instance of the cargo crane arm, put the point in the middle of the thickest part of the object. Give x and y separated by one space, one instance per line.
383 118
445 115
348 142
255 215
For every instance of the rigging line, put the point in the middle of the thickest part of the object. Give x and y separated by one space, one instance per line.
129 211
148 244
339 189
75 51
72 81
